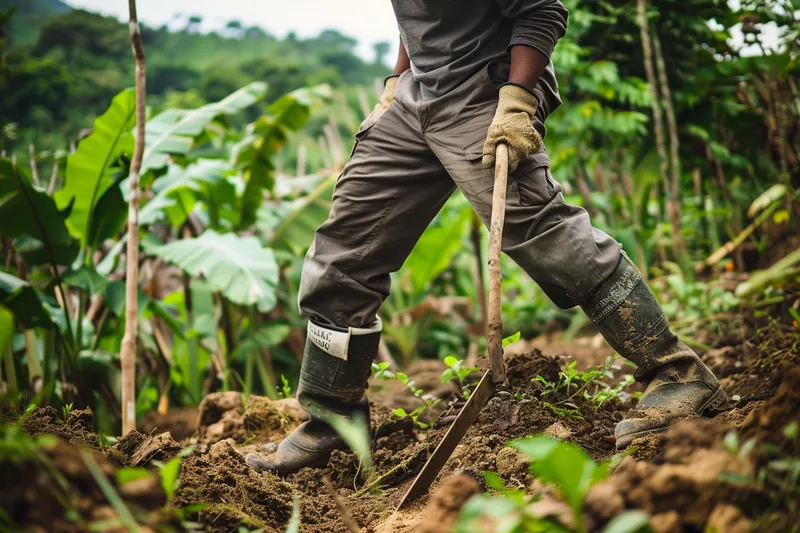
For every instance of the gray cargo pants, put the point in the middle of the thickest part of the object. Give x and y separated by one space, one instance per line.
403 168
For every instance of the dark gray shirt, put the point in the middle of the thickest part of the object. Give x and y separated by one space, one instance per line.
448 41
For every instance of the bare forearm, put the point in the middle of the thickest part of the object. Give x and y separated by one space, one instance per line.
403 62
527 66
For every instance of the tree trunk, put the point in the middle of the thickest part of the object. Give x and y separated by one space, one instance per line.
128 352
674 144
658 123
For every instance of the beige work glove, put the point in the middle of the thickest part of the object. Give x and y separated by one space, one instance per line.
385 101
513 125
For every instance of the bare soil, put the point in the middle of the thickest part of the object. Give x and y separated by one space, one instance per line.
685 478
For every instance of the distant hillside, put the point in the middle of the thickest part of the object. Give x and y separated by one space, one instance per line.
30 15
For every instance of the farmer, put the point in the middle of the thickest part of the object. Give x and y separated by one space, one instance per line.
470 74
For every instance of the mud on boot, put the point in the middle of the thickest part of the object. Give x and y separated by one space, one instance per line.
679 385
333 379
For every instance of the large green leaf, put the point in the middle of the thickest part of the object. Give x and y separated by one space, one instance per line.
238 267
27 304
296 232
31 219
88 175
563 464
181 189
266 136
173 131
6 329
109 214
438 244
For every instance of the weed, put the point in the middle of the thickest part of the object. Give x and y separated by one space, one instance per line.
587 384
382 371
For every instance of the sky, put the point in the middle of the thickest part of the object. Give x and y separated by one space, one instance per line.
369 21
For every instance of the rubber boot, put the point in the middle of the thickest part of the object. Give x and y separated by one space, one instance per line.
679 385
333 379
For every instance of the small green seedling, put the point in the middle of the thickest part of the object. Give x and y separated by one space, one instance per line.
286 389
456 370
382 371
66 410
589 385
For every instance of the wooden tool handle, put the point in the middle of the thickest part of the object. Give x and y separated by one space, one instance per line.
494 336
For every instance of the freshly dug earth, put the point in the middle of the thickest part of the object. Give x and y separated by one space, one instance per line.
55 486
687 479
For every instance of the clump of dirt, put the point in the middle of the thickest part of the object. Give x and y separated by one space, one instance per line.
522 368
686 476
223 415
751 369
768 424
235 493
77 429
445 504
137 449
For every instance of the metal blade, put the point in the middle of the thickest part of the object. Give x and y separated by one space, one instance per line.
469 413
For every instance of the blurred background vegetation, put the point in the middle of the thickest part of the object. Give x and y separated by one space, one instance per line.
692 164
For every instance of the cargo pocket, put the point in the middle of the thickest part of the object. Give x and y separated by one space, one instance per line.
473 148
536 185
363 129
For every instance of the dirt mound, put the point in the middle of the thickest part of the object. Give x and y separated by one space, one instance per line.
223 415
769 423
682 488
77 429
137 449
235 494
56 490
446 503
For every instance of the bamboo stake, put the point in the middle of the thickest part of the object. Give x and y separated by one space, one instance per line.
128 352
53 178
34 165
733 244
475 237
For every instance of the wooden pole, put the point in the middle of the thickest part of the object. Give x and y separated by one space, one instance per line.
494 338
128 352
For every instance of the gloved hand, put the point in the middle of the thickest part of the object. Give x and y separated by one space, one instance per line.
386 99
513 125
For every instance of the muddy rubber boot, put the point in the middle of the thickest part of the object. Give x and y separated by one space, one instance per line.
679 385
333 379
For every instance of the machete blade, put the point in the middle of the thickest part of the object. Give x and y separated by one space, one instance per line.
469 413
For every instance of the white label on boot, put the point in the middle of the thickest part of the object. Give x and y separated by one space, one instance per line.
332 342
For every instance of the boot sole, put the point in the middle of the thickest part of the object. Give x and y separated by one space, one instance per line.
717 399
